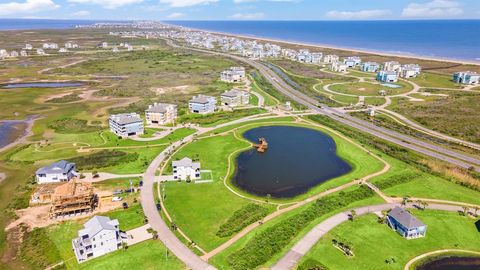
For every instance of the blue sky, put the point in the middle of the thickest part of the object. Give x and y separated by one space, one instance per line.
241 9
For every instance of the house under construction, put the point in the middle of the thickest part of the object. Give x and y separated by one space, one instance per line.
73 198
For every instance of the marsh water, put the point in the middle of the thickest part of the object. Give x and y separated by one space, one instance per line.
297 159
41 85
10 131
452 263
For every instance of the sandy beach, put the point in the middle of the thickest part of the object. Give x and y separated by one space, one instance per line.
324 46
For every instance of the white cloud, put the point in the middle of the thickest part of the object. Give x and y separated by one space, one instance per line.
358 15
81 13
433 9
187 3
248 16
27 7
108 4
175 15
243 1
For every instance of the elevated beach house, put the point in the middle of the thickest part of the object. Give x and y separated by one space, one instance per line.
410 71
405 223
370 67
233 74
161 114
126 124
202 104
331 58
466 77
352 61
185 169
60 171
100 236
387 76
339 67
235 97
392 66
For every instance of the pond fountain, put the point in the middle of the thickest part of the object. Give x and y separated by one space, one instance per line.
297 159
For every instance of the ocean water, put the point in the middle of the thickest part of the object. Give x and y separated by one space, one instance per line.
453 39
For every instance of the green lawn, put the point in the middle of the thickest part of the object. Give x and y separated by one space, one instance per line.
373 243
426 79
369 88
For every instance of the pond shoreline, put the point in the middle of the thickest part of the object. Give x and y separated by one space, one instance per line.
21 137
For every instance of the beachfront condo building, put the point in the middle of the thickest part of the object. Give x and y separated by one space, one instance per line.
331 58
339 67
161 114
466 77
370 67
202 104
387 76
235 97
392 66
410 71
126 124
186 169
99 236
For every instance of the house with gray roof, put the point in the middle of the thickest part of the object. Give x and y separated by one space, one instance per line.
161 114
235 97
60 171
126 124
406 224
202 104
186 169
99 236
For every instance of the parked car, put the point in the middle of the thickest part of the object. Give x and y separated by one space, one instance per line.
117 199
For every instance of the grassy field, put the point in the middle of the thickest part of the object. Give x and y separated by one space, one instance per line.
369 89
374 243
427 79
455 115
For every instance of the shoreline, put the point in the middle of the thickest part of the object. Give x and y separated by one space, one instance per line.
25 134
332 47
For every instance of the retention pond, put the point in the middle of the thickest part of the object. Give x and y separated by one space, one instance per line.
41 85
451 263
296 160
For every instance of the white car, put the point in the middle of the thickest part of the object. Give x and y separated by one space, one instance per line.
117 199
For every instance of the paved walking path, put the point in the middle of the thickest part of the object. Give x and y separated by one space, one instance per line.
294 255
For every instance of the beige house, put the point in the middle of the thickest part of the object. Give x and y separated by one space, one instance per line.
161 114
235 97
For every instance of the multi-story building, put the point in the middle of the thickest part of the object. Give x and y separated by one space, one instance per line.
126 124
202 104
235 97
406 224
352 61
392 66
233 74
466 77
410 71
339 67
370 67
100 236
387 76
331 58
161 114
186 169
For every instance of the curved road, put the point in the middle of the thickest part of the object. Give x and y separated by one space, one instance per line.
426 148
293 256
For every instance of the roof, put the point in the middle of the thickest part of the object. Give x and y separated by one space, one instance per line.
201 99
97 224
186 162
233 93
61 166
126 118
403 217
159 107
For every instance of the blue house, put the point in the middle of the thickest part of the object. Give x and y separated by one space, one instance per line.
406 224
387 76
466 77
202 104
370 67
352 61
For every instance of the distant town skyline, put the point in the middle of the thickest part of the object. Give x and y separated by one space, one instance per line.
240 9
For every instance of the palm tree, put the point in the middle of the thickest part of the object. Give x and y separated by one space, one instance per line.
267 199
465 210
424 204
476 208
405 200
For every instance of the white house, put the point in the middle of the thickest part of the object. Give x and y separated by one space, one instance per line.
99 236
23 53
392 66
115 49
466 77
104 45
71 45
28 47
161 114
235 97
126 124
52 46
202 104
352 61
60 171
339 67
40 52
185 169
63 50
410 71
233 74
330 58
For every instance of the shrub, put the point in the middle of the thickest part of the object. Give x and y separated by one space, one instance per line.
65 99
242 218
269 242
104 158
395 180
72 126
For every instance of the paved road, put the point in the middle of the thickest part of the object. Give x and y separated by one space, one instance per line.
411 143
294 255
